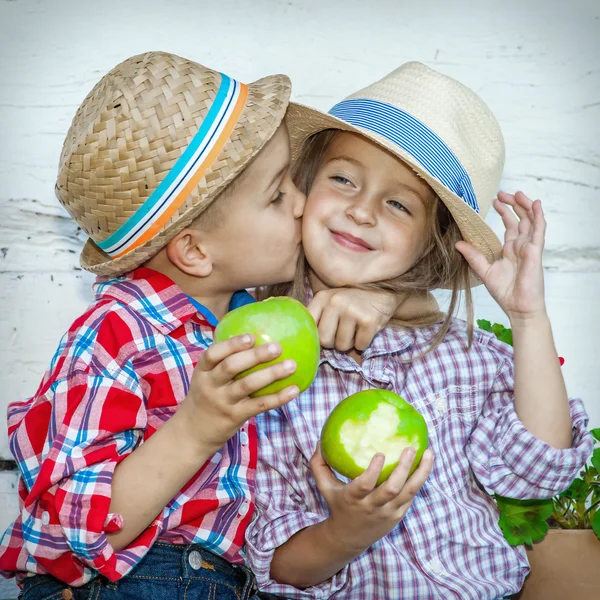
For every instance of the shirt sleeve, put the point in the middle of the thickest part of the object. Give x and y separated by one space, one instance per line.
287 501
509 460
67 447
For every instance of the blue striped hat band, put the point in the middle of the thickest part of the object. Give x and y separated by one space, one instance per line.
414 137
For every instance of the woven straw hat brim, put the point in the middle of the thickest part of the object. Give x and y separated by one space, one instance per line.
304 121
265 108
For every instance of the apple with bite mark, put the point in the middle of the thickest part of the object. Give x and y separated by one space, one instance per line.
280 319
369 422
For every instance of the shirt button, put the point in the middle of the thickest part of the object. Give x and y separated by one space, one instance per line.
436 566
67 594
244 438
45 517
441 405
244 508
195 560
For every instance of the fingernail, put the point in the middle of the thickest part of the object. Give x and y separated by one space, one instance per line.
289 365
411 453
246 339
294 391
272 348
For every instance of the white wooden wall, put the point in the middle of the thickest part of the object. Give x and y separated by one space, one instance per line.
536 63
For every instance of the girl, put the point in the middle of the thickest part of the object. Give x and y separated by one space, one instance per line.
398 179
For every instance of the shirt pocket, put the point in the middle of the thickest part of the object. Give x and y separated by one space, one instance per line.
451 415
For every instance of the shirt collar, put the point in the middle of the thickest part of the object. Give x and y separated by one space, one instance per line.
240 298
157 299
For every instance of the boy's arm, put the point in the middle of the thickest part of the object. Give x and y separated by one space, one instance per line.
86 424
71 509
145 481
215 408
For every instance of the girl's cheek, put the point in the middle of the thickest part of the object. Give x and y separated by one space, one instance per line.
319 206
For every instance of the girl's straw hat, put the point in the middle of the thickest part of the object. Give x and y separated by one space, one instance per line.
152 146
437 126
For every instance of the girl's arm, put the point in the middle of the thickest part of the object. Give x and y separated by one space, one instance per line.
541 400
350 318
360 514
516 282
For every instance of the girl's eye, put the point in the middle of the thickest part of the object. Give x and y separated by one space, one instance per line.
278 199
398 206
341 179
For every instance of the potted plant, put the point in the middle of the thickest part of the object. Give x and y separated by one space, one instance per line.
562 534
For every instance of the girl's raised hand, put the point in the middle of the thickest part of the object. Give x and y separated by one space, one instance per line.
516 281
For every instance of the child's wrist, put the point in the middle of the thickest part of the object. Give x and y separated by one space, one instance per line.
338 538
190 429
529 321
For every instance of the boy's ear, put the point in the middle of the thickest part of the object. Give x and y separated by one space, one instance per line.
188 252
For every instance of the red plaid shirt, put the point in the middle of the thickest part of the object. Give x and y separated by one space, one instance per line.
119 373
449 544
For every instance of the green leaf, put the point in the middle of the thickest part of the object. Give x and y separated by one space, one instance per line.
523 521
596 524
506 337
483 324
578 490
498 329
596 459
594 432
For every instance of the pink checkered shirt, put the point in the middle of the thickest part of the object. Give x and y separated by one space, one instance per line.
449 544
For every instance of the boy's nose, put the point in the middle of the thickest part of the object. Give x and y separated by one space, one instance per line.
299 202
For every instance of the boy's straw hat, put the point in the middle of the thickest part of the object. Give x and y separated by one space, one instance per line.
437 126
152 146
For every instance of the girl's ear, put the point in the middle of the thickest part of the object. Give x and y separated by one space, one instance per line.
188 252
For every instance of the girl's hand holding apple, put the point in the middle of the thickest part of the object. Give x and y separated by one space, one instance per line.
361 512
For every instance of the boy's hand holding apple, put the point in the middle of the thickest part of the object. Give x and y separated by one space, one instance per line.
264 355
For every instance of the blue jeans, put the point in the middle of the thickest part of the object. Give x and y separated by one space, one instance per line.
167 572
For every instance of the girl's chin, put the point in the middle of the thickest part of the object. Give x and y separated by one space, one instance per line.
334 280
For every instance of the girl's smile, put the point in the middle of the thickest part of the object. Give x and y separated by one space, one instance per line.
353 243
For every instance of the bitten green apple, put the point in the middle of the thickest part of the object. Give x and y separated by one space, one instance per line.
369 422
282 320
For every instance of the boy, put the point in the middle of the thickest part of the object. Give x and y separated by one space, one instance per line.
151 148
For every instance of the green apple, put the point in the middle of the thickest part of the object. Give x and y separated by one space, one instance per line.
282 320
369 422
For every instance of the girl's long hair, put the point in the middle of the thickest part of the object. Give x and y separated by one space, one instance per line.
441 265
